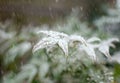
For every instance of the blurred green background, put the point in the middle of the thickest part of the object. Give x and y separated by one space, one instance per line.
21 19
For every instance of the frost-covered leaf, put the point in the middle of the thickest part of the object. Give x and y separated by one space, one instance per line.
111 40
44 43
93 39
105 50
105 45
89 49
77 38
53 38
63 44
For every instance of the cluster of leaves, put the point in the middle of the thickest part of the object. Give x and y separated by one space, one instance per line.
64 41
57 57
50 65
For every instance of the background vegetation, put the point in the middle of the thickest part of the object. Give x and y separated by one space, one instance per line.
18 35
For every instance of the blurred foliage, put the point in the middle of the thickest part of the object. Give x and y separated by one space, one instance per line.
42 11
117 72
19 65
111 22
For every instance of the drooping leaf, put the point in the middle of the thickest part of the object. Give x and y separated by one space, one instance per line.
89 49
44 43
93 39
105 46
105 50
53 38
77 38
